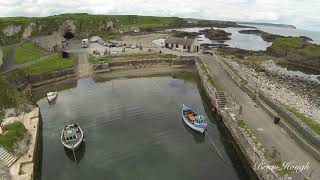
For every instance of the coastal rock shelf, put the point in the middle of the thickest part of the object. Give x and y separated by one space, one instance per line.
290 91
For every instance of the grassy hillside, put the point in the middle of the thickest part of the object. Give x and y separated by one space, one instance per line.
296 50
9 96
85 23
12 133
28 52
54 63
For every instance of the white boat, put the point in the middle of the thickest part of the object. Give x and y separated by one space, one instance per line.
52 95
193 119
72 136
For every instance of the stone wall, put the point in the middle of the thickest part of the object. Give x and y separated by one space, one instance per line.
24 167
292 123
52 76
292 119
252 152
145 63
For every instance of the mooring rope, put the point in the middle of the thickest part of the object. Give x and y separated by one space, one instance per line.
216 149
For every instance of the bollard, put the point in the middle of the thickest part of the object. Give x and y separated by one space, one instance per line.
276 120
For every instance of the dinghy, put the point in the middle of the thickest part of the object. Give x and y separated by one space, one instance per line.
72 136
193 119
52 96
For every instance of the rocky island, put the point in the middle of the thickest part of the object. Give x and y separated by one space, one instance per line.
264 35
216 34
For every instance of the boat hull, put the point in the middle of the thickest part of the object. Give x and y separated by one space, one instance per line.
52 98
74 146
199 129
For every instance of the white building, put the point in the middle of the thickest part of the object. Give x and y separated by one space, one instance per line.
183 44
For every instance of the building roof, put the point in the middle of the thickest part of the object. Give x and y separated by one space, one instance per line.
180 41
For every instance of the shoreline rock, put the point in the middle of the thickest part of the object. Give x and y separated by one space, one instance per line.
264 35
216 34
295 92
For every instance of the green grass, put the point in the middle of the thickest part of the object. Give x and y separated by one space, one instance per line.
5 52
211 81
94 60
167 56
243 125
290 42
54 63
9 96
28 52
12 133
311 123
311 50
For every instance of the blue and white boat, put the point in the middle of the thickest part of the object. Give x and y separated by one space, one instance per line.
193 119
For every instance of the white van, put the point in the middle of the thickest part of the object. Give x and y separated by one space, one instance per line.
85 43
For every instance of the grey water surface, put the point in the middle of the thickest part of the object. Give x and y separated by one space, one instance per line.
133 130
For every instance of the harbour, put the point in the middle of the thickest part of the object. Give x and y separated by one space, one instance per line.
154 140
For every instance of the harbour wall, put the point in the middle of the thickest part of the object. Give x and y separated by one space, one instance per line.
293 125
145 63
25 167
252 151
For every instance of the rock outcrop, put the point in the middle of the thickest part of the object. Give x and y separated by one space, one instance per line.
28 31
11 30
216 34
67 27
107 25
264 35
51 43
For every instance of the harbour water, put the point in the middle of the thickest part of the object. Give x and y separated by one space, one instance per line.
251 42
133 130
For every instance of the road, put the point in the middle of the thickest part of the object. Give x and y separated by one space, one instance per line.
276 140
84 68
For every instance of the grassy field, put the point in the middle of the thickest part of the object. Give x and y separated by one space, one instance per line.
292 42
28 52
54 63
12 133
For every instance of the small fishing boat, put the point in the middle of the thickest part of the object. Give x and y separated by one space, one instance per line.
52 96
193 119
72 136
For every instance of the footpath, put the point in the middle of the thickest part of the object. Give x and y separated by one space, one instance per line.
278 144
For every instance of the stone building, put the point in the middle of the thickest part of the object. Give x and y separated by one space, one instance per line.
183 44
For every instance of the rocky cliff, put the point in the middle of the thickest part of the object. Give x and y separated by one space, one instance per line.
15 29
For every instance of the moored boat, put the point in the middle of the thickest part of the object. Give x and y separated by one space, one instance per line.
52 96
193 119
72 136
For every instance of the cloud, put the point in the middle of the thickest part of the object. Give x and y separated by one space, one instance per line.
303 14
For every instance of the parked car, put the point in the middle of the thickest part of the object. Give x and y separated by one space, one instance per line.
207 52
133 47
114 52
85 43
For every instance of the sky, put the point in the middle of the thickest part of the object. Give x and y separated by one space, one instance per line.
305 14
